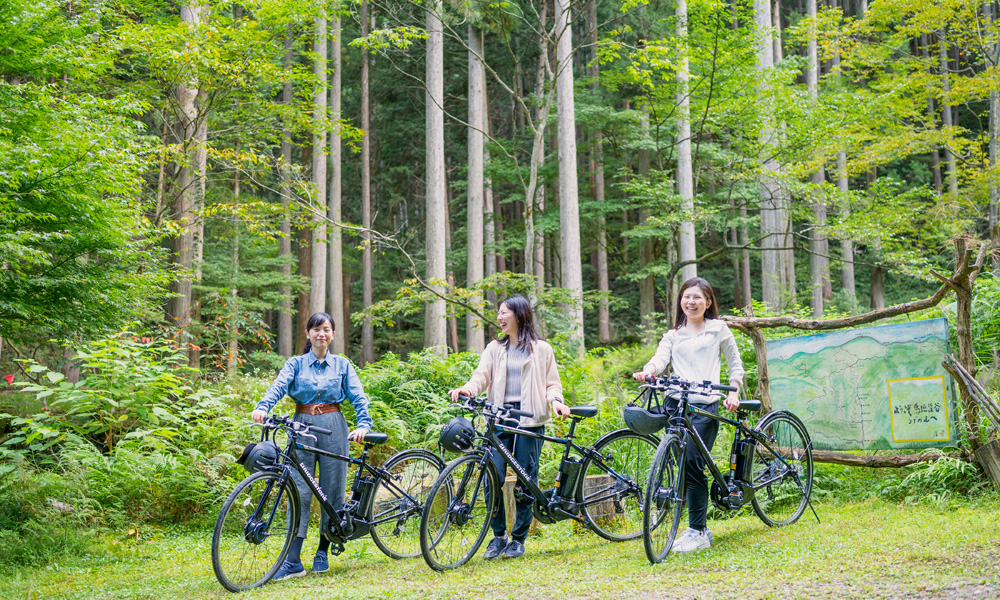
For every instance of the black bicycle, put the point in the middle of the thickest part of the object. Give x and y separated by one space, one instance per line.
260 517
770 465
601 486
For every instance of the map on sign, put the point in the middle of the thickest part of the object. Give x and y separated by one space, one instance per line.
875 388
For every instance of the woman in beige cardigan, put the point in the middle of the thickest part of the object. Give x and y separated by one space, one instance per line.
517 369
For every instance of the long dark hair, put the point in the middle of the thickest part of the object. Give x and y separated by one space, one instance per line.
315 321
712 312
521 308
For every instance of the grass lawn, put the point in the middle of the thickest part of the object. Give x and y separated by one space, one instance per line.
866 550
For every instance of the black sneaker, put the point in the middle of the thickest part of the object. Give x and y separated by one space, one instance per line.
514 549
496 547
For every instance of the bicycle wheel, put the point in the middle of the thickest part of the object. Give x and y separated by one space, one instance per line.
614 490
396 508
255 526
665 503
457 515
782 472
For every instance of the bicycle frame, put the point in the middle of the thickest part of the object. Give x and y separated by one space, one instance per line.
350 522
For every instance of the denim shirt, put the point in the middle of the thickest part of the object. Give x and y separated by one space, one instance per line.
310 380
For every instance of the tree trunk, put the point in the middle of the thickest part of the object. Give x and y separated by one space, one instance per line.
535 193
994 128
285 330
819 274
474 341
877 287
747 298
931 117
647 285
685 178
771 232
335 263
305 271
233 345
946 112
182 245
489 235
367 330
198 241
317 297
846 245
597 169
435 326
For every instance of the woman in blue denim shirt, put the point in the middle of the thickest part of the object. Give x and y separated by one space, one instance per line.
318 381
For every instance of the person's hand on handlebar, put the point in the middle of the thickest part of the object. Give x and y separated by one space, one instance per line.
458 392
560 409
732 401
643 375
258 416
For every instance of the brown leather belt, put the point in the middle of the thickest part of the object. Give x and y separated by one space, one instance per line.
316 409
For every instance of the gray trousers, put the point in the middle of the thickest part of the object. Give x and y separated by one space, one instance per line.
332 472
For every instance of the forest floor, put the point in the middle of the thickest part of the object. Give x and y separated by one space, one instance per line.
871 549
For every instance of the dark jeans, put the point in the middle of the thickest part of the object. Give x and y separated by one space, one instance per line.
697 482
526 451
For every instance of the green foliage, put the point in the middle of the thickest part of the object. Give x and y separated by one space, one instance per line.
936 482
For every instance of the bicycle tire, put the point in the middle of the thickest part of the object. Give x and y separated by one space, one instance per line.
620 519
239 562
458 512
783 500
413 471
665 499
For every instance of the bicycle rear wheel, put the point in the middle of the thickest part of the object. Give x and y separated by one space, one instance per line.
782 472
665 503
457 515
398 506
614 491
253 531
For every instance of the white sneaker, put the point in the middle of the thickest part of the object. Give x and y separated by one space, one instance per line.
692 541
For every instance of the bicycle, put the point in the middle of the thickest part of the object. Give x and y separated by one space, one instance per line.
770 465
588 489
258 520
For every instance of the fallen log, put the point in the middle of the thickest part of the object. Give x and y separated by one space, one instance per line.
880 461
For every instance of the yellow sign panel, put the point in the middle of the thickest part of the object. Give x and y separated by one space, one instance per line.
919 409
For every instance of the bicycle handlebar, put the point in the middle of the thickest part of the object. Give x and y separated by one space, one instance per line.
475 404
662 383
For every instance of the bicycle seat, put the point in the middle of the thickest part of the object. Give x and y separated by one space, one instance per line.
376 438
582 412
750 406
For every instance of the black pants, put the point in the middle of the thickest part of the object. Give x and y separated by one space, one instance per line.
526 451
696 488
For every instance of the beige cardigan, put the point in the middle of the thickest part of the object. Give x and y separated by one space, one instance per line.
540 384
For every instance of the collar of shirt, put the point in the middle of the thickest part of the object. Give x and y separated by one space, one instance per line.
313 360
711 325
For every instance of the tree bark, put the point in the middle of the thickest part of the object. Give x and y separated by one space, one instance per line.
994 128
474 340
946 112
647 285
233 345
597 169
367 330
846 245
685 177
435 326
285 330
317 297
335 263
819 274
747 298
770 194
880 461
182 245
932 117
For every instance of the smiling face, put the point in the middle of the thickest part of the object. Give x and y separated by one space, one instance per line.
694 304
320 337
507 321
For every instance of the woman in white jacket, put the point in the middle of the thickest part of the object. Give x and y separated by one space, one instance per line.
693 349
517 369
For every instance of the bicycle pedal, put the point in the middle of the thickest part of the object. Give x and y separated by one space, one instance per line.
336 548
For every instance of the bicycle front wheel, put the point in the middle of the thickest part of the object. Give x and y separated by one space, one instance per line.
398 503
254 529
782 472
614 487
457 515
665 504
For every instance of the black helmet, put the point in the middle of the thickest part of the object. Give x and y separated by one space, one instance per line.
643 421
258 456
457 435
